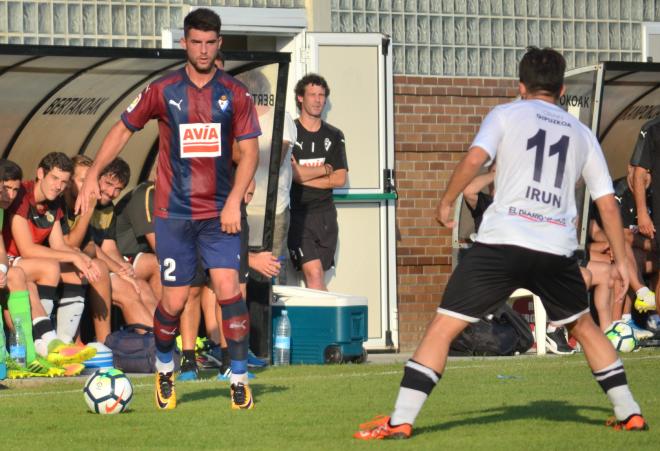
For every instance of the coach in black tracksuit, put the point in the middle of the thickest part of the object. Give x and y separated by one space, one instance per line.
319 165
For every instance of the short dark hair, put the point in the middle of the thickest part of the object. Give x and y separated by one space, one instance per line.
118 169
56 160
310 79
542 70
202 19
10 171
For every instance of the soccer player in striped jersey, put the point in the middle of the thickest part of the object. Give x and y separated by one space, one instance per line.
201 111
526 239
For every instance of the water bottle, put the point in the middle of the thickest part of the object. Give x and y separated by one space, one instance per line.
3 354
282 347
17 343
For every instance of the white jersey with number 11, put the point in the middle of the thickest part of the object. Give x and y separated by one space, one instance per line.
541 152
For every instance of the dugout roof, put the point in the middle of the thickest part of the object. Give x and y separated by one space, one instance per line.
615 99
67 98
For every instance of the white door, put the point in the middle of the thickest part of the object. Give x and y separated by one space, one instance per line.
358 70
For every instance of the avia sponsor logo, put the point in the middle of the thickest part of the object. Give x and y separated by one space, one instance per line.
638 112
570 100
536 217
200 140
312 162
78 106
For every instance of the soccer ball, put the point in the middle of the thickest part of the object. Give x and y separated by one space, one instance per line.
108 391
622 337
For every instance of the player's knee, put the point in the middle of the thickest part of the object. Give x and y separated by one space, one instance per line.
16 279
582 327
48 272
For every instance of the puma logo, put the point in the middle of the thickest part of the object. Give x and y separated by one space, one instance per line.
178 105
238 325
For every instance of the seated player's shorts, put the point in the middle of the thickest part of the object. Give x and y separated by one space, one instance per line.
181 243
313 236
245 241
488 274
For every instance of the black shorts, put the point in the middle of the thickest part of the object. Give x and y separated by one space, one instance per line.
313 236
488 274
244 267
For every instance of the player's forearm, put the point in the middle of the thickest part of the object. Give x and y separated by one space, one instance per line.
335 180
113 264
244 171
639 190
39 251
109 248
612 225
306 174
77 233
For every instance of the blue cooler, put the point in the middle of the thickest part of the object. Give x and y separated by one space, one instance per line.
325 327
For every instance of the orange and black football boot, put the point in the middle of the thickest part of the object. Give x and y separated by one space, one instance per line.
632 423
379 429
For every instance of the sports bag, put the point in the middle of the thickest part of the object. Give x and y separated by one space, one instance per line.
133 352
506 333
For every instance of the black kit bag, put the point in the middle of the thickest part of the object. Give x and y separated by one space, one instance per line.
133 352
506 333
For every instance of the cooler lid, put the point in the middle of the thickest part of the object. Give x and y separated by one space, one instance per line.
290 296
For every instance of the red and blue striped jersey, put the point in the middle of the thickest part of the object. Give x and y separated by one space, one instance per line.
197 127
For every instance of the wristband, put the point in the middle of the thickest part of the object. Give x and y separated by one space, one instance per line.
3 268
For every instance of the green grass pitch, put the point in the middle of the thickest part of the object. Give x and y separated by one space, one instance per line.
517 403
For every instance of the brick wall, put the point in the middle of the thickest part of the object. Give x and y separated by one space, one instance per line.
435 120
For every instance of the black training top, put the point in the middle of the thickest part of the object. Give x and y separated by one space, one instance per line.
647 155
135 220
325 146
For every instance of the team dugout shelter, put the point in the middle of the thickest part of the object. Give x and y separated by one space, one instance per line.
66 99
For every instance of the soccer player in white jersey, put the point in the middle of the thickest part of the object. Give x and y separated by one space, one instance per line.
526 240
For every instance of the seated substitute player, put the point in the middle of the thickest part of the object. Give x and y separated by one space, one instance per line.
14 286
635 252
513 251
136 238
95 233
200 111
318 165
34 221
646 161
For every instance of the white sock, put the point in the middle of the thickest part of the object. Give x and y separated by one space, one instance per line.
164 367
68 317
408 404
623 402
48 306
236 378
642 291
416 385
